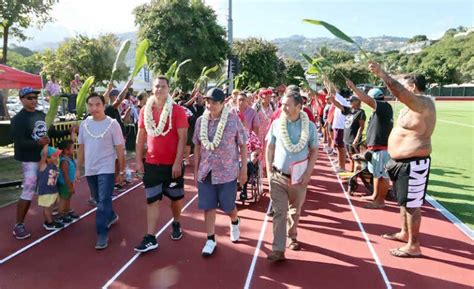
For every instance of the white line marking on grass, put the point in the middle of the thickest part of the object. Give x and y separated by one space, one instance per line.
135 257
452 218
257 249
361 227
457 123
29 246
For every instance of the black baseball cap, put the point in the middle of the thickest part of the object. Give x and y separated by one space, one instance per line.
215 94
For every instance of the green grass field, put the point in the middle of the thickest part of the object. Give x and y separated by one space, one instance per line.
452 174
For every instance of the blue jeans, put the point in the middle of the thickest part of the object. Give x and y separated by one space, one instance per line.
101 187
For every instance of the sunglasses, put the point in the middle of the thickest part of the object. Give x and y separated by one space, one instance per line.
31 97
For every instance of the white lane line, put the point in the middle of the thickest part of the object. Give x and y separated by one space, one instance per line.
8 204
29 246
135 257
361 227
457 123
452 218
257 249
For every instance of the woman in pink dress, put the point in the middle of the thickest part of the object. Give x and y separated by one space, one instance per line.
265 110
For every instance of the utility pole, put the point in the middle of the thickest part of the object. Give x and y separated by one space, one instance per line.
230 75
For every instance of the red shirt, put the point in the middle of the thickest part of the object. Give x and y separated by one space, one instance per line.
162 150
321 104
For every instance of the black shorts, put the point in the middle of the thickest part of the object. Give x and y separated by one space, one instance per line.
410 180
189 137
338 137
158 181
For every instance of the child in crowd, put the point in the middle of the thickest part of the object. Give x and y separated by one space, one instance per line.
47 190
67 174
252 169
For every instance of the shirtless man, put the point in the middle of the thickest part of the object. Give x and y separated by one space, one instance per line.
409 146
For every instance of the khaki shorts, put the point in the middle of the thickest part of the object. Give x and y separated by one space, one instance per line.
47 200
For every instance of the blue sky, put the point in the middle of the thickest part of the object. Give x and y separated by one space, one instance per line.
271 19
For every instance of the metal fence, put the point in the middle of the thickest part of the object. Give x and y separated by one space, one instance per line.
465 91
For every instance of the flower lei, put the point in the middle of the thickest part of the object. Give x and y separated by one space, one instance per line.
86 126
203 133
150 125
264 111
303 141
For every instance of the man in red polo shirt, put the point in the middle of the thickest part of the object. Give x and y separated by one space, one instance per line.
163 125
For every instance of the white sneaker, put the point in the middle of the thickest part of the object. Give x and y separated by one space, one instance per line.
209 248
235 232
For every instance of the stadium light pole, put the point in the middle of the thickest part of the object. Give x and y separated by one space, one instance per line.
230 75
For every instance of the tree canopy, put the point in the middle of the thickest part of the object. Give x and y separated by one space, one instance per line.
86 56
15 16
180 30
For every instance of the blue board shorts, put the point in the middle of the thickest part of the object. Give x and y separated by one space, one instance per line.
217 196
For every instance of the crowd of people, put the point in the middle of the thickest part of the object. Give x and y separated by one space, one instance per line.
230 134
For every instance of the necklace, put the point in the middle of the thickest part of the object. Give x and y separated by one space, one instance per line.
285 137
203 133
167 112
86 126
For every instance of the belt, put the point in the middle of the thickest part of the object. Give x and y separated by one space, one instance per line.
280 172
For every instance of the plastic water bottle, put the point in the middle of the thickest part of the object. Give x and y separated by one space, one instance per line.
128 174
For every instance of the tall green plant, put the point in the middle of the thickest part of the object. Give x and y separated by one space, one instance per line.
82 96
140 57
336 32
119 59
201 82
173 73
53 110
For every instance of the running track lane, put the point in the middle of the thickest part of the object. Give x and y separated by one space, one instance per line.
448 255
68 259
34 219
332 247
325 213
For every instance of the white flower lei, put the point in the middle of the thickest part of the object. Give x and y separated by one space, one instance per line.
203 132
86 126
167 112
264 112
303 141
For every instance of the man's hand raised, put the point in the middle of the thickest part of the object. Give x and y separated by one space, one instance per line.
375 68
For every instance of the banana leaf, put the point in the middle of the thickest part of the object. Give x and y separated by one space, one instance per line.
221 80
211 70
82 96
119 59
171 70
201 82
53 110
140 57
307 58
336 32
304 82
176 72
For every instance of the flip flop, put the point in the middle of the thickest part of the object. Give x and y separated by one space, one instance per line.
402 254
392 237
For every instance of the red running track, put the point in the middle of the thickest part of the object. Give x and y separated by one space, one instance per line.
335 252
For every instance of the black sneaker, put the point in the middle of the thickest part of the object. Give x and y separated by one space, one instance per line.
148 243
73 215
65 219
53 226
177 234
